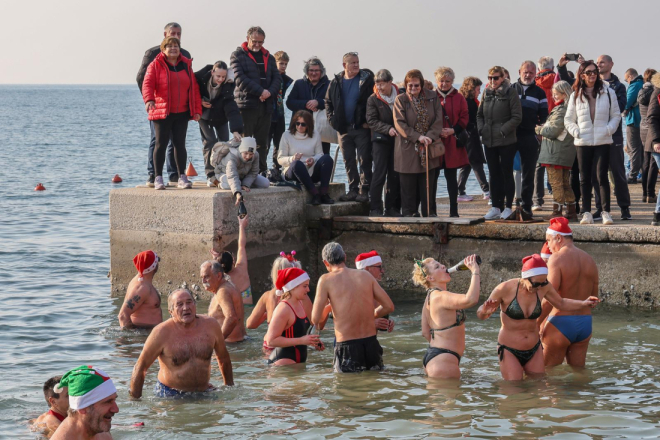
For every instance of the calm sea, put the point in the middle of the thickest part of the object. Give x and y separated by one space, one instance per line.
57 314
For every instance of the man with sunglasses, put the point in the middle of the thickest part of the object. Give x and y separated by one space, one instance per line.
372 263
141 308
258 84
574 275
346 108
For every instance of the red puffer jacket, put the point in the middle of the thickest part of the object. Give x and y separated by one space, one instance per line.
159 83
455 107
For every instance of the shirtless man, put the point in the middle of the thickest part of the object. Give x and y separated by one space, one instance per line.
183 345
351 294
238 272
141 306
58 405
372 263
574 275
92 404
226 305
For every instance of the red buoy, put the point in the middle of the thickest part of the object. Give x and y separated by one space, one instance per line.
116 179
39 187
190 170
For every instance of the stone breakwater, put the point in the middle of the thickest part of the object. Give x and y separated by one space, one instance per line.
183 225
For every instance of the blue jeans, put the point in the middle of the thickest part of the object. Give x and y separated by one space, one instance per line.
169 158
656 156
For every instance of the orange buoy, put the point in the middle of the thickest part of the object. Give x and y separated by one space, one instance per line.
116 179
190 170
39 187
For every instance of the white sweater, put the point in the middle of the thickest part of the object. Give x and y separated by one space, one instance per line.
291 144
606 119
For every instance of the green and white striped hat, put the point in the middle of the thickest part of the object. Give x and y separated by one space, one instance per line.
87 385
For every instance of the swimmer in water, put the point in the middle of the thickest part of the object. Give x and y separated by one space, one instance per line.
226 305
183 345
519 345
443 316
574 275
351 294
287 332
238 270
372 263
141 308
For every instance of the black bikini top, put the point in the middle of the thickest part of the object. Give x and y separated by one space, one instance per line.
514 311
460 316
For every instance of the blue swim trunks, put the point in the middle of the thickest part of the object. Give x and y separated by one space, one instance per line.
162 390
576 328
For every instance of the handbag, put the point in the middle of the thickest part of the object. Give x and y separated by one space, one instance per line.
322 125
380 137
463 138
436 149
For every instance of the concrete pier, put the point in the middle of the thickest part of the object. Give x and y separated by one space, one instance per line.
182 225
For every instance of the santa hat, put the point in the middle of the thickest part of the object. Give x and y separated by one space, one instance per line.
559 226
533 265
289 279
291 257
87 385
145 262
367 259
248 145
546 253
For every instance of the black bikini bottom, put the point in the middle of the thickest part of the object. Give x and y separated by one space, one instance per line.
523 356
432 352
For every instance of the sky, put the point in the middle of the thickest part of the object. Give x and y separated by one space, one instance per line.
102 42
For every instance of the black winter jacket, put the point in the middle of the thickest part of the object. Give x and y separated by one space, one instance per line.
248 79
304 91
148 57
286 83
335 107
653 117
534 103
223 107
643 99
621 98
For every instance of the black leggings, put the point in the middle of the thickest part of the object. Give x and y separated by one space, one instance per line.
322 171
649 174
452 189
175 126
500 168
589 157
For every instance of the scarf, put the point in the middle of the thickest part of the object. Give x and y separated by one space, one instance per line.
389 100
444 94
422 123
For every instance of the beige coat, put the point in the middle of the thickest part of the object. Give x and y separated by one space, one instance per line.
406 159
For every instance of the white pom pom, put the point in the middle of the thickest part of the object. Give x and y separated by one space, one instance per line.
58 389
279 292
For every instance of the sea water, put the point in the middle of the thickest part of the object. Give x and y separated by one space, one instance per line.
57 314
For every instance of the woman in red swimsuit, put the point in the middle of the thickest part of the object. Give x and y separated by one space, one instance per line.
287 331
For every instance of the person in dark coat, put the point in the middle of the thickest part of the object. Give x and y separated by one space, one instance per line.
258 84
219 107
470 90
653 135
649 167
278 124
381 121
171 30
309 92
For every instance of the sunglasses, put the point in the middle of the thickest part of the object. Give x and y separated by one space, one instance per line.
541 284
301 124
590 73
494 78
353 54
414 86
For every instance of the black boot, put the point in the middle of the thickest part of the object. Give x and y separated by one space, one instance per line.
453 210
656 219
316 199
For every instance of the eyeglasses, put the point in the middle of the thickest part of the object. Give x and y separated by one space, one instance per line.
301 124
414 86
314 71
494 78
541 284
256 41
379 268
590 73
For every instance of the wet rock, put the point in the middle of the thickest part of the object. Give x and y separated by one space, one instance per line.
169 281
195 287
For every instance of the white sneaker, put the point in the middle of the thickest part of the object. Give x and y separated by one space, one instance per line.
487 195
607 219
536 208
184 182
493 214
506 213
587 219
212 182
158 183
464 198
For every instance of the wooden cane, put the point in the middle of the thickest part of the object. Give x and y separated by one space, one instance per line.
428 197
334 164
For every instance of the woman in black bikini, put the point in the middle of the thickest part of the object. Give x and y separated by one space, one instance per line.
519 346
287 331
443 316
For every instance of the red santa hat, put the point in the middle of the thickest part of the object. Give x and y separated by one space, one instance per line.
367 259
289 279
145 262
546 253
559 226
533 265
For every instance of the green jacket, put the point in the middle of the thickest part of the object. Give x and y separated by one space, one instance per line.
554 151
499 114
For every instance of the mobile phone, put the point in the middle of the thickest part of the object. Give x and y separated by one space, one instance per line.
572 56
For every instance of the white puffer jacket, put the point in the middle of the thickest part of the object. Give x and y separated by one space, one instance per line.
606 119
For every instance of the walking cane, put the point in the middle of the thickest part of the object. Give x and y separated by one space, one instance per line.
428 197
334 164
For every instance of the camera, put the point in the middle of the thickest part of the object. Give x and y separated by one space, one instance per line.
572 56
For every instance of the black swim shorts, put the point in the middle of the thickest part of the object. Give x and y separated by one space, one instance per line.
358 355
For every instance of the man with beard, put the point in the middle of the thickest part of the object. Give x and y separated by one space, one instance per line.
372 263
92 404
534 112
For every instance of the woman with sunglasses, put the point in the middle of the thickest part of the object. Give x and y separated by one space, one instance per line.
519 344
592 117
301 155
498 116
443 316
